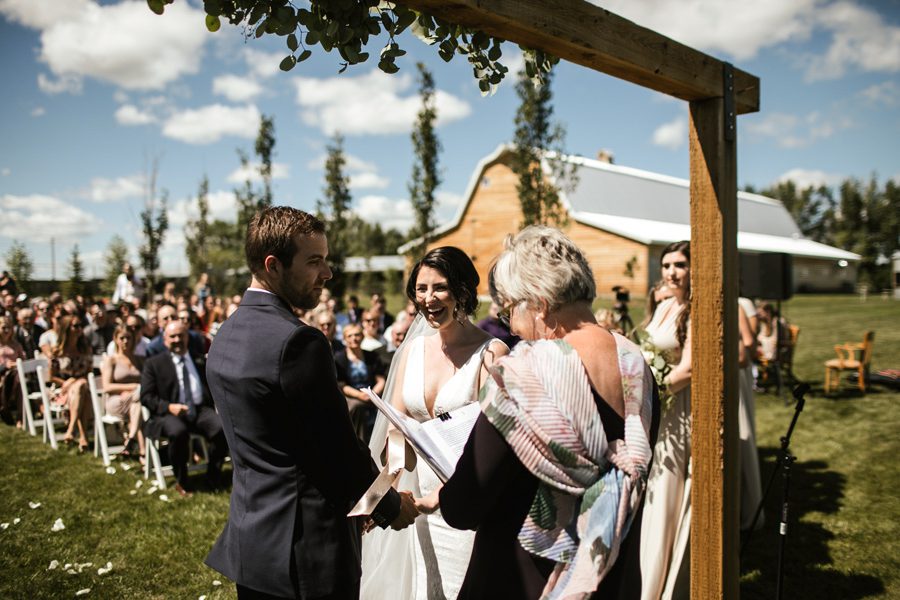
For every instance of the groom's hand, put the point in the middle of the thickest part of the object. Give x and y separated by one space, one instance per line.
408 512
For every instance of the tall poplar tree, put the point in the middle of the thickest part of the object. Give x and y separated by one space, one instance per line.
334 208
196 233
425 173
114 258
20 265
537 137
154 224
75 284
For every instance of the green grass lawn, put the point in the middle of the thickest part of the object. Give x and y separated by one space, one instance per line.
844 538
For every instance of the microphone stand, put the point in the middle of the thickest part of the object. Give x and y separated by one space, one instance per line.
785 460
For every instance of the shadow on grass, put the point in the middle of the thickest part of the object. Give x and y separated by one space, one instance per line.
809 570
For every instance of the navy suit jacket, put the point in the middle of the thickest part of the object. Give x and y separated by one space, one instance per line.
298 465
159 388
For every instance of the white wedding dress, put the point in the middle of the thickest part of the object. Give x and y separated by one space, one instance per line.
428 560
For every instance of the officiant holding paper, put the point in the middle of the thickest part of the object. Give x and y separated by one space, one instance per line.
439 368
298 466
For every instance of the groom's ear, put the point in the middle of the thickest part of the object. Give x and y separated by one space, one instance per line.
272 264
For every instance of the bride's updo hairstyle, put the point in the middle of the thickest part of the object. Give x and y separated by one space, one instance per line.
541 264
462 278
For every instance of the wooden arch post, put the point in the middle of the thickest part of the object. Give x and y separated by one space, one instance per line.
590 36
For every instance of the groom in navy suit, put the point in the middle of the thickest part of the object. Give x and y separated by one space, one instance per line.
298 466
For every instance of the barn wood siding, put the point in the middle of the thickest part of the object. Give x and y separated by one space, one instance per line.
494 212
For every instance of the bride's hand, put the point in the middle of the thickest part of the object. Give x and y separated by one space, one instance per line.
429 503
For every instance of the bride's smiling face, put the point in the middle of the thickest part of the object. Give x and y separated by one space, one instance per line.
434 297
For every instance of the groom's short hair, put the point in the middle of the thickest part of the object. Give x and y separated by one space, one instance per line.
271 232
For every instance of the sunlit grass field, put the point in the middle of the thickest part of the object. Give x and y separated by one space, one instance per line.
843 542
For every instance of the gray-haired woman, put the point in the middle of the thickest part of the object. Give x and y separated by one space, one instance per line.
553 474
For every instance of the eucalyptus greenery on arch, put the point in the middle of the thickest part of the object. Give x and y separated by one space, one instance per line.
348 25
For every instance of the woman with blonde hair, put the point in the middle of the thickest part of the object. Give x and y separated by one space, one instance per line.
552 476
121 374
70 362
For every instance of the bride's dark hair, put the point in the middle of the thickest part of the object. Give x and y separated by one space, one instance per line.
457 267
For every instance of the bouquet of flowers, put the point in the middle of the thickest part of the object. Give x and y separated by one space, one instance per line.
659 366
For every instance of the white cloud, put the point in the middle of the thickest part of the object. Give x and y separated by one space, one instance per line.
857 36
791 131
886 93
68 83
129 114
805 178
369 104
250 172
222 205
38 217
210 123
236 89
389 213
363 174
861 40
363 181
124 44
103 190
38 111
41 14
263 64
740 29
671 135
512 59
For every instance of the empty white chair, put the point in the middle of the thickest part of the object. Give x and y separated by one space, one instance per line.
101 420
26 368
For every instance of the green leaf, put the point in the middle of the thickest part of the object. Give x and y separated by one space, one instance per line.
288 62
495 52
156 6
312 38
304 17
405 18
213 7
212 23
304 55
386 22
363 57
292 42
388 66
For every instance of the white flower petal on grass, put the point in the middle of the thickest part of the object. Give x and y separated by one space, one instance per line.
83 592
133 492
111 470
126 467
216 582
138 483
53 565
33 505
67 566
85 565
72 572
16 521
58 525
163 497
203 597
105 570
4 525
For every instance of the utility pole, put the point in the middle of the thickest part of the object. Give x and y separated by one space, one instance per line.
52 260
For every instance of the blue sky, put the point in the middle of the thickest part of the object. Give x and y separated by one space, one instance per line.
95 92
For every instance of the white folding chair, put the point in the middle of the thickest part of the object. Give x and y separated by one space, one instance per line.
101 420
26 368
53 413
153 461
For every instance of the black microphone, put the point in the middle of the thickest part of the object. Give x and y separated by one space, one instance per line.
801 390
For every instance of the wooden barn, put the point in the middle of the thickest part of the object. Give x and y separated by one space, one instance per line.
622 218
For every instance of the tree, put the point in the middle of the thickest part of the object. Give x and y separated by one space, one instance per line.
20 265
75 286
812 208
334 208
249 199
115 257
196 232
154 224
537 138
347 25
425 174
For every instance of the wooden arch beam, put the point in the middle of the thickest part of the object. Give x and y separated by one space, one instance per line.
593 37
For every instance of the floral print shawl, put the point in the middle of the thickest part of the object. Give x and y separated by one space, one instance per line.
539 398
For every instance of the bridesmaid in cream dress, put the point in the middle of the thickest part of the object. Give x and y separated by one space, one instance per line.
666 524
440 367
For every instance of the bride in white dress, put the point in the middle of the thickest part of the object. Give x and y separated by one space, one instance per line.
440 367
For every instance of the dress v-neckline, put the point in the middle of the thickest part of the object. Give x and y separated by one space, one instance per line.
430 411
